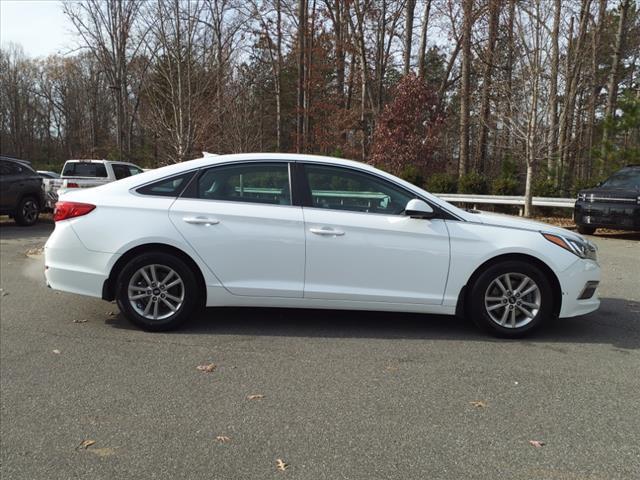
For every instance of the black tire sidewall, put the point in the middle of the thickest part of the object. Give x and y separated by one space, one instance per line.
586 230
19 219
478 311
191 293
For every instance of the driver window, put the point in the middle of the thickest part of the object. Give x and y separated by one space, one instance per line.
339 188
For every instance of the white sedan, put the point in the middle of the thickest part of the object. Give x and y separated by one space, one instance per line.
283 230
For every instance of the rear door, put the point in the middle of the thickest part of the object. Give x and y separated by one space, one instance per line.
360 245
241 221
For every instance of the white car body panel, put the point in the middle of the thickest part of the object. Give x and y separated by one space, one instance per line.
254 249
411 257
265 255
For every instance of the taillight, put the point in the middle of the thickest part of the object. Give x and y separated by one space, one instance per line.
72 185
66 210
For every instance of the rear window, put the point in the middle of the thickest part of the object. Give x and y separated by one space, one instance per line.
84 169
167 187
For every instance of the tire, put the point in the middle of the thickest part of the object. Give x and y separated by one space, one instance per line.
27 212
162 303
489 301
585 230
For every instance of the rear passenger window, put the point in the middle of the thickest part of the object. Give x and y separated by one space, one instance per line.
120 171
254 183
168 187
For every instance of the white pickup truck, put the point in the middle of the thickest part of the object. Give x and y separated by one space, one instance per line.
86 174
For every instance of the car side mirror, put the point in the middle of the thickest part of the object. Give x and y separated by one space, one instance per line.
419 209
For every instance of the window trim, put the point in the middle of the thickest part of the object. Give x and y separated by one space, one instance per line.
441 213
191 192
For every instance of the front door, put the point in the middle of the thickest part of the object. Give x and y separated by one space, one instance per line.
361 247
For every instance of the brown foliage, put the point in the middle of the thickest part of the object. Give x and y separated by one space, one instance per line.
407 129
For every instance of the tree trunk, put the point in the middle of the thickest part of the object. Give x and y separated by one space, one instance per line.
612 84
481 152
408 34
595 86
465 81
278 76
553 94
422 50
302 22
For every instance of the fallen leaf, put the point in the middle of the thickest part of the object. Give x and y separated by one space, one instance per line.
207 367
103 452
478 404
391 368
85 444
537 443
223 439
111 314
34 252
56 351
256 396
280 465
80 320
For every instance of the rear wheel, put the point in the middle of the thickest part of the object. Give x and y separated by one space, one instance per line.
27 212
586 230
157 291
511 298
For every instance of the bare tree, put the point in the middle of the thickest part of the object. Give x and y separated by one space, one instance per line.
422 49
108 29
612 84
465 86
176 95
408 34
485 107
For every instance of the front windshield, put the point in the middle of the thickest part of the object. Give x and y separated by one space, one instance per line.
626 178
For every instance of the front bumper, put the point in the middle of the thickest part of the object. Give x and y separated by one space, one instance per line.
71 267
622 216
575 281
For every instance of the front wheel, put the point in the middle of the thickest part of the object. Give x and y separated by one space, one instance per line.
157 291
511 298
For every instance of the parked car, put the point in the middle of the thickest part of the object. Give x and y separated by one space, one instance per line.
285 230
87 174
614 203
21 194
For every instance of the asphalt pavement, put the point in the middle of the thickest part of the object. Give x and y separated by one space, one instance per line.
332 394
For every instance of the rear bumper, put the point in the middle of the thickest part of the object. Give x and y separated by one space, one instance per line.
71 267
574 281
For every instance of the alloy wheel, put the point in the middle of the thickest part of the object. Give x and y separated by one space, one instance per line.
156 292
512 300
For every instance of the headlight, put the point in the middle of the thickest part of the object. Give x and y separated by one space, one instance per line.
582 197
577 246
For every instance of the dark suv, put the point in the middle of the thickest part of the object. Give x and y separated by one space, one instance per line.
614 203
21 193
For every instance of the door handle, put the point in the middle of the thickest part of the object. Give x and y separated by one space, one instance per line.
201 221
327 232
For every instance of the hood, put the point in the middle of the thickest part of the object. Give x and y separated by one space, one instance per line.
507 221
611 192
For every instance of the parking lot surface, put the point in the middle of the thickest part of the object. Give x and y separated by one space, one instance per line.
332 394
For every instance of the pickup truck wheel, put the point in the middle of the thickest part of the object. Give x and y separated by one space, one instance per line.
27 211
511 298
157 291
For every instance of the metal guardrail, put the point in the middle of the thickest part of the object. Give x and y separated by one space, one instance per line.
506 200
